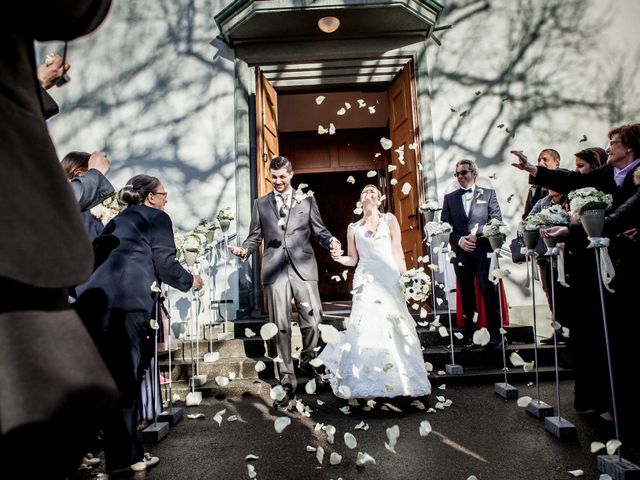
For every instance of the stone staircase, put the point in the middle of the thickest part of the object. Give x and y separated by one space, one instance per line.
239 355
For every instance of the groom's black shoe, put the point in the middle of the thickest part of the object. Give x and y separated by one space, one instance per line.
321 381
284 401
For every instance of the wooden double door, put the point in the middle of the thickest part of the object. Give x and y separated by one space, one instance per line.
324 162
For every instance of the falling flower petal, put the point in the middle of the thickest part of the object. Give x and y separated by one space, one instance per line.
372 110
154 287
481 337
322 130
259 366
458 335
371 173
528 366
332 129
361 103
613 445
329 333
425 428
348 105
249 333
232 375
413 146
502 331
320 99
391 168
443 332
524 401
442 387
350 179
363 459
596 446
428 366
406 188
386 143
251 470
342 111
268 330
393 181
337 277
281 423
277 393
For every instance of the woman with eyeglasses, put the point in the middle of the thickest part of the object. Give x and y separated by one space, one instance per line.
135 251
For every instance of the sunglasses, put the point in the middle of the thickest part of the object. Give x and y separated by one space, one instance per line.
461 173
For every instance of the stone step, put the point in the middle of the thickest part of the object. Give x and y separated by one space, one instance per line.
242 367
235 388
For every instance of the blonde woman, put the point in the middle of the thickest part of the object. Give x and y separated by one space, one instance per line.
379 354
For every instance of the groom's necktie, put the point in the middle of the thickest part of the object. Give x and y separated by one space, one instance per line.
466 199
284 208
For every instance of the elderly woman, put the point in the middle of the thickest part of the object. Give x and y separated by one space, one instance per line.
135 250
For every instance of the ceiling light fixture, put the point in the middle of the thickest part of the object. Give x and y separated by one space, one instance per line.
329 24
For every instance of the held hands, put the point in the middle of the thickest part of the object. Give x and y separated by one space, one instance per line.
335 248
468 243
522 162
100 162
197 282
554 232
238 251
52 69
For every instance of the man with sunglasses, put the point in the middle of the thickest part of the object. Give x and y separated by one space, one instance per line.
468 209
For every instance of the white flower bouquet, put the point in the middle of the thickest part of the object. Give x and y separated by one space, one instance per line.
416 284
551 216
495 227
588 198
437 228
225 214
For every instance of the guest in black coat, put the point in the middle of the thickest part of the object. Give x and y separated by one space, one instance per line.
468 209
87 174
135 249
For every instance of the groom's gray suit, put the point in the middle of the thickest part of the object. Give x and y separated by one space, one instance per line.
289 270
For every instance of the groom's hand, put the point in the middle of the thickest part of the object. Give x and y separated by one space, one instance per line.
238 251
335 247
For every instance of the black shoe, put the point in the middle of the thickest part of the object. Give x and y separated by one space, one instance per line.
494 345
284 402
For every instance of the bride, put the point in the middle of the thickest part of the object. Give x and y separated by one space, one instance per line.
379 354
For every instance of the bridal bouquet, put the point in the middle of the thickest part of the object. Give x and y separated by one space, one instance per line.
588 199
437 228
553 215
495 227
416 284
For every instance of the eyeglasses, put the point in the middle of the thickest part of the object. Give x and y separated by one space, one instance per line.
160 193
461 173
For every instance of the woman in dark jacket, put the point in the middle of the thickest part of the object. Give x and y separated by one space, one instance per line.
135 250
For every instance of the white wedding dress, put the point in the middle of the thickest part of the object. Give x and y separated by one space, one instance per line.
379 354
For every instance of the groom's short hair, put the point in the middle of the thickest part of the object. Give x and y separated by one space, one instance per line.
280 162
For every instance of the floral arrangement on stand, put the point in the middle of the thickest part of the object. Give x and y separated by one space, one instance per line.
208 229
551 216
496 227
416 284
429 209
588 198
224 218
437 228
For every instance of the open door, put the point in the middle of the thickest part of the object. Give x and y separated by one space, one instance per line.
402 126
267 130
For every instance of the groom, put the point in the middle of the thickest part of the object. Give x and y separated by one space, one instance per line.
285 219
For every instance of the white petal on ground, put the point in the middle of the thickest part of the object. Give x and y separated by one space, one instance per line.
362 425
232 375
372 110
605 476
386 143
320 99
406 188
268 330
440 398
472 477
260 366
392 435
232 418
596 446
516 360
249 333
310 387
346 409
281 423
371 173
448 402
418 404
342 111
329 333
576 473
311 449
315 362
363 459
335 458
319 402
459 335
425 428
442 387
481 337
251 456
524 401
320 455
351 180
218 416
222 381
332 129
330 430
251 470
443 332
195 416
350 440
613 445
277 393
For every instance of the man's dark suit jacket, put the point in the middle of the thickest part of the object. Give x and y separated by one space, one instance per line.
135 249
91 189
292 240
44 242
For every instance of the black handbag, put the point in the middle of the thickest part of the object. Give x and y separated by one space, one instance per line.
518 249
